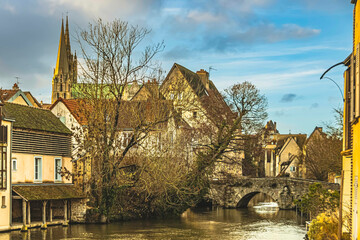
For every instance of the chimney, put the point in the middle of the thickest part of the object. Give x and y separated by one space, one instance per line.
15 87
320 129
204 77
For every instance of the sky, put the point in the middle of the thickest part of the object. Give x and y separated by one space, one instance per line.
281 46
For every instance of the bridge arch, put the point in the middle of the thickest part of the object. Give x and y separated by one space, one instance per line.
238 192
244 199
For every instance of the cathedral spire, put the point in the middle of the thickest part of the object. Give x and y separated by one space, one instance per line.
67 36
62 65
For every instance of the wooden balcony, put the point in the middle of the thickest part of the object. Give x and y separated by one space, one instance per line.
3 135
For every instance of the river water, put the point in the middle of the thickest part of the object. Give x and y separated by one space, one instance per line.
261 220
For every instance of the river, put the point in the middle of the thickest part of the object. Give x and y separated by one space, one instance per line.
261 221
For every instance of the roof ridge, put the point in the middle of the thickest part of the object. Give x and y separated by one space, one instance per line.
27 106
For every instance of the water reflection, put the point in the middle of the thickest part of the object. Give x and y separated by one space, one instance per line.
259 221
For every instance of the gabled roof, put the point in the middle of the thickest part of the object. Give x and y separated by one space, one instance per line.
7 94
31 118
282 139
211 99
193 79
32 99
10 95
73 105
151 89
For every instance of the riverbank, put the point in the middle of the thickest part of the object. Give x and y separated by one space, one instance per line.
227 224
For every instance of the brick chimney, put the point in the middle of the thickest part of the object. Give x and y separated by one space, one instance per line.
204 76
15 87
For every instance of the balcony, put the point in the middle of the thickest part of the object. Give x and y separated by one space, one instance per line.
3 134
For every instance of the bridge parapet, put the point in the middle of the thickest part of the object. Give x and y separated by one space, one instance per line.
237 193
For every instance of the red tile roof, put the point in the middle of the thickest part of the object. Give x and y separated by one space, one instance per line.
74 106
7 94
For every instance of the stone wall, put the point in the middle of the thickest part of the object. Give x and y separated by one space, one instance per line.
238 193
78 210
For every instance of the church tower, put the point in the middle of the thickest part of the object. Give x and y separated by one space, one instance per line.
65 72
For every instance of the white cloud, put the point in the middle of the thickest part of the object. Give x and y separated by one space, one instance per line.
106 9
205 17
8 7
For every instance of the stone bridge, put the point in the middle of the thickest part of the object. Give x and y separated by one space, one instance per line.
238 192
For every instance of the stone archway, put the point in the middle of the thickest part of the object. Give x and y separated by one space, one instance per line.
245 199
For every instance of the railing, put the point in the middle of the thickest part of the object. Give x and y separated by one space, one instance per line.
3 134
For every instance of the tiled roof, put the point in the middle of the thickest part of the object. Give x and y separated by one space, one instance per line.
32 118
210 99
6 94
47 192
74 106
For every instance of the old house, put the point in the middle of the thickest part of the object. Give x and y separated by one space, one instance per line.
154 119
5 171
15 95
199 103
282 152
41 156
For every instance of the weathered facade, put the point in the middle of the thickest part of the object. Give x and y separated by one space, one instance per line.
5 171
41 158
199 103
282 152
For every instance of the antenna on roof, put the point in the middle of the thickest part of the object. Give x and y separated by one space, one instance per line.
211 68
17 80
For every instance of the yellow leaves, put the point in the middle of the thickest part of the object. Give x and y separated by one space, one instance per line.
324 226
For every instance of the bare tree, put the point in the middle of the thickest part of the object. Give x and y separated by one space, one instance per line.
250 105
322 156
335 128
113 58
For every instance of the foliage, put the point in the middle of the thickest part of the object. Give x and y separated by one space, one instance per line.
324 226
318 200
322 156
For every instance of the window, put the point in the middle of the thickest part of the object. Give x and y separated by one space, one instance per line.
3 202
292 169
14 164
38 169
180 96
57 169
61 86
3 169
172 95
194 114
126 138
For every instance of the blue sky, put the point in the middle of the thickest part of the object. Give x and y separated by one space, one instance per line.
281 46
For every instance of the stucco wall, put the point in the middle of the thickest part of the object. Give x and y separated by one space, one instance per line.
25 168
5 209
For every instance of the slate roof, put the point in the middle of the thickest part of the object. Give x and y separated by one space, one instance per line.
32 118
47 192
